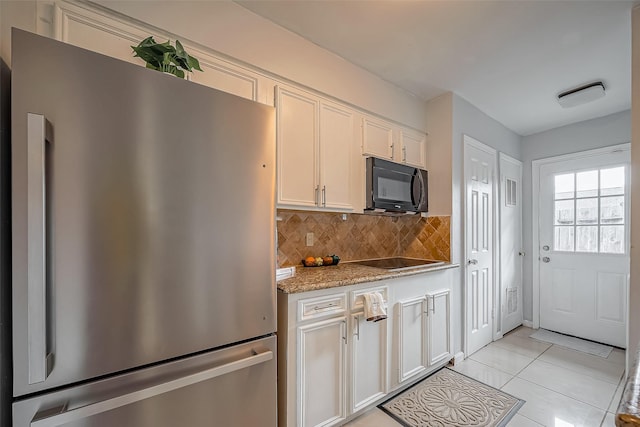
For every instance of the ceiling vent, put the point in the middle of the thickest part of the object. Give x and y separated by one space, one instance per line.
581 95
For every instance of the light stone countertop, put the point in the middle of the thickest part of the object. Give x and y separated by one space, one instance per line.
344 274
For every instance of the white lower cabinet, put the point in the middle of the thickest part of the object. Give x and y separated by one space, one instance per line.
368 361
422 325
333 363
412 337
424 333
322 367
439 325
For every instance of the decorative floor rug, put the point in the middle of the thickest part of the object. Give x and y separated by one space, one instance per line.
448 398
572 342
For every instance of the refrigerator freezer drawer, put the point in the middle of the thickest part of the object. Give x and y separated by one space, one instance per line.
235 386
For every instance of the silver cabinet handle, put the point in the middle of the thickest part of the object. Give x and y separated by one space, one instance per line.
344 331
324 196
356 318
472 261
404 154
147 393
324 307
546 259
430 304
40 362
317 194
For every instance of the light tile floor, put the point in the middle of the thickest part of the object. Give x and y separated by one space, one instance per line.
561 387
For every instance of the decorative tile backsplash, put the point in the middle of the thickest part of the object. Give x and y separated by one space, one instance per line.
361 236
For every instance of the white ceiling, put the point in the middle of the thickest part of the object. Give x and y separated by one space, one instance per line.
508 58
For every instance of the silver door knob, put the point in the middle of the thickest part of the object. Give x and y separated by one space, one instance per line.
472 261
545 248
546 259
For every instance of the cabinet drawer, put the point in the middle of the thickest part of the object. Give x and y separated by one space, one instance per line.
314 308
356 300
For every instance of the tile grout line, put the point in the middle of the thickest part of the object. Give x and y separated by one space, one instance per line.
519 372
563 395
575 372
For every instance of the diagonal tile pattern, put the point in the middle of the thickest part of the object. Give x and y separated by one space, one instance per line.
361 236
561 387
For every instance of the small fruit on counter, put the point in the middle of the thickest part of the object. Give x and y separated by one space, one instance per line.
327 260
309 261
318 261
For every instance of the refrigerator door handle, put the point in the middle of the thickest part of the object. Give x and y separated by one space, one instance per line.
136 396
40 362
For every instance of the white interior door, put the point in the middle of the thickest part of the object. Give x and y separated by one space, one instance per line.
511 253
584 249
480 164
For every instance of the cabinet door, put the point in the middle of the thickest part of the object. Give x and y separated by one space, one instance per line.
368 361
411 338
297 147
321 375
76 24
413 148
439 313
336 147
377 139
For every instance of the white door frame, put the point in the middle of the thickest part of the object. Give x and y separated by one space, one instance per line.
470 141
535 219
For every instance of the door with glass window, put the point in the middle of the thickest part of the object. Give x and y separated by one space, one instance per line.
584 249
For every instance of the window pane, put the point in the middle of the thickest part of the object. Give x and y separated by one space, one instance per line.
564 212
612 181
587 239
612 239
563 239
587 211
564 186
587 183
612 210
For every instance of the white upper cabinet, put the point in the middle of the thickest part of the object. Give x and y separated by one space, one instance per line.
336 155
76 24
413 147
377 138
297 148
393 142
315 140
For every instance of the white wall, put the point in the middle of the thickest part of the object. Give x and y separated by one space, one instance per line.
634 288
19 14
468 120
596 133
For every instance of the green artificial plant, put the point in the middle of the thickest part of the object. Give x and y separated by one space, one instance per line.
165 57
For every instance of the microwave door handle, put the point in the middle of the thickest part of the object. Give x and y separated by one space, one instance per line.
416 185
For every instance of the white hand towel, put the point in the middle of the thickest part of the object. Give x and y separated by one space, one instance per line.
374 307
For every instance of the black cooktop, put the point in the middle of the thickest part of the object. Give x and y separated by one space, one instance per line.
397 263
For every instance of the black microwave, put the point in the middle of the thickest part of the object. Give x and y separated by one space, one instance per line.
392 187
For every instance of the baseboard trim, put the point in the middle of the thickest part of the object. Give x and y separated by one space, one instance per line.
527 323
457 358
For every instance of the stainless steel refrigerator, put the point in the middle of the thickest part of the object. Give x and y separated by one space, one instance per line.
143 247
